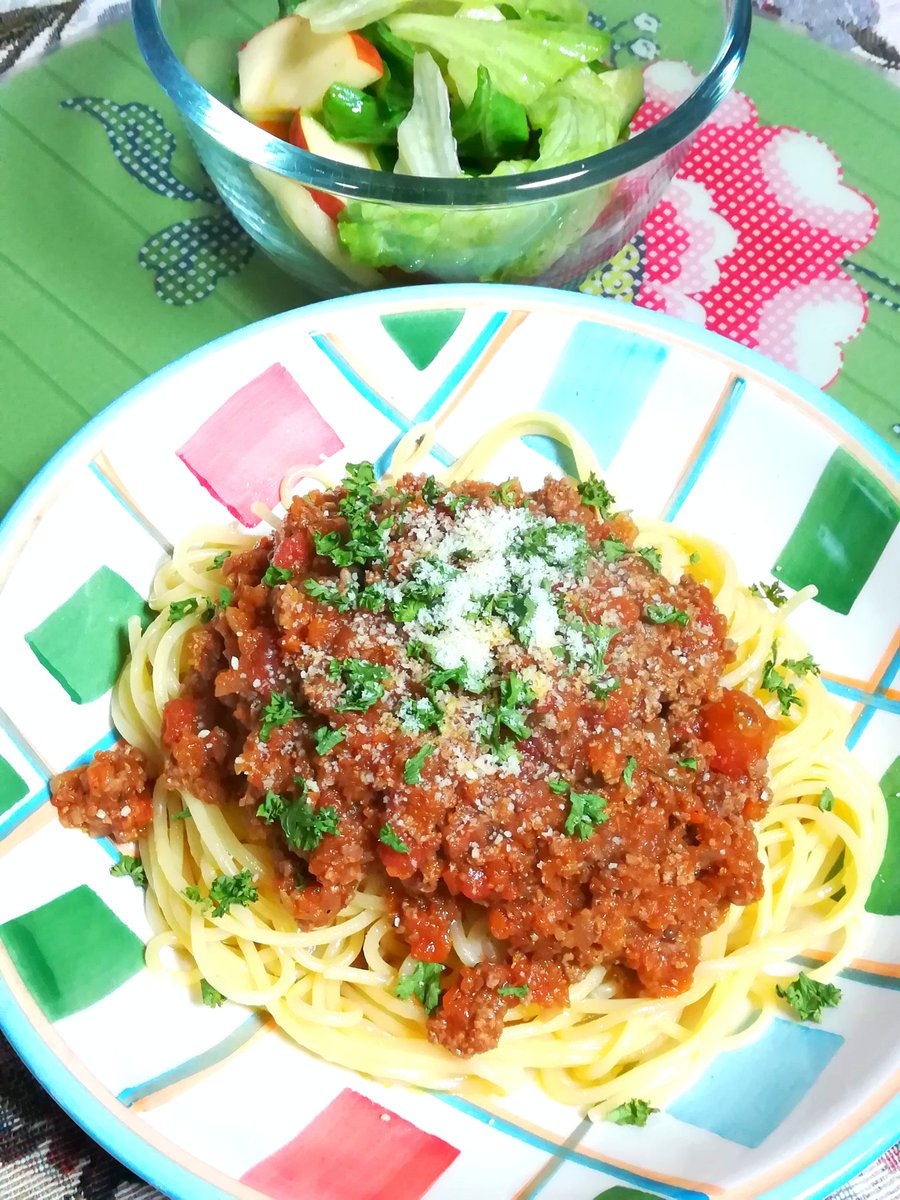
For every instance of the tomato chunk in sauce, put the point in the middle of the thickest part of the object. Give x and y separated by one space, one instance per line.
740 731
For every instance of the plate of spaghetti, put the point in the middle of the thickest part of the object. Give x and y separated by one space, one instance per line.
482 705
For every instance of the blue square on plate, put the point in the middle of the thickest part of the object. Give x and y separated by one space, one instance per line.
736 1098
600 383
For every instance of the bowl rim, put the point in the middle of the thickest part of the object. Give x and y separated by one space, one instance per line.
246 140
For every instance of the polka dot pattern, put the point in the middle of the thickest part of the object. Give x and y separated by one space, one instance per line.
190 257
142 143
792 221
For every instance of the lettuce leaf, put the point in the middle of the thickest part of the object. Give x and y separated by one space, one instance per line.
425 138
581 115
524 57
345 16
493 127
516 242
570 11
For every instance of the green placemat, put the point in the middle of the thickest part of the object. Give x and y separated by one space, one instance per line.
112 266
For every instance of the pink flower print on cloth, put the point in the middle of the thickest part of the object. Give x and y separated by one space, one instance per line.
750 237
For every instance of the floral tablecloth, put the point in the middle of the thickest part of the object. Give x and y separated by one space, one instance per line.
782 232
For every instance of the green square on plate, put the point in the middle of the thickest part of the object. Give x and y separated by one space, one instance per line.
625 1193
843 531
83 642
72 952
12 787
884 897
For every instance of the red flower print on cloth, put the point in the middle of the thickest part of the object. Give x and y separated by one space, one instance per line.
749 238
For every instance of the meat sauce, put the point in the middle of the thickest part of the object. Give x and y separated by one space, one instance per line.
608 823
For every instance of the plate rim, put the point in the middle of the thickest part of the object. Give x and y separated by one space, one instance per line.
100 1122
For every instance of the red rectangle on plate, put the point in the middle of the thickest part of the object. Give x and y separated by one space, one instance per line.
241 453
354 1150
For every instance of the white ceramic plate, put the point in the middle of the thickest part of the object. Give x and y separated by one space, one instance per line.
213 1103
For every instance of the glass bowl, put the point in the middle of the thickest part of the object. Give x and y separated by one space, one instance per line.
547 227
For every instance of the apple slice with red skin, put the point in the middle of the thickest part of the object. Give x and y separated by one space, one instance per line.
286 67
300 211
310 134
279 129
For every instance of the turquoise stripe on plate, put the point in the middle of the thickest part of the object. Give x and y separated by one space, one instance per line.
192 1066
862 721
707 450
462 368
572 1154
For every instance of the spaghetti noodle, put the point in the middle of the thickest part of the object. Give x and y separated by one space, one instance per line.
333 988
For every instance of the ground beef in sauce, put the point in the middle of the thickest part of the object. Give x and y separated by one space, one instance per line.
110 797
676 764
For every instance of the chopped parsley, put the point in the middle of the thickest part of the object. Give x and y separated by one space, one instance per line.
437 681
520 991
457 503
826 800
182 608
603 688
183 815
632 1112
271 808
665 614
562 545
431 491
418 715
423 982
506 717
694 557
390 839
192 892
614 549
370 597
132 867
773 681
808 997
274 575
279 710
210 996
226 595
587 642
651 556
628 773
219 561
425 586
587 810
226 890
413 768
366 539
773 592
302 825
362 683
505 494
802 666
689 764
327 738
595 494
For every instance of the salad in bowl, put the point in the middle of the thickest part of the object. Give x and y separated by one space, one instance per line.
364 143
437 89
